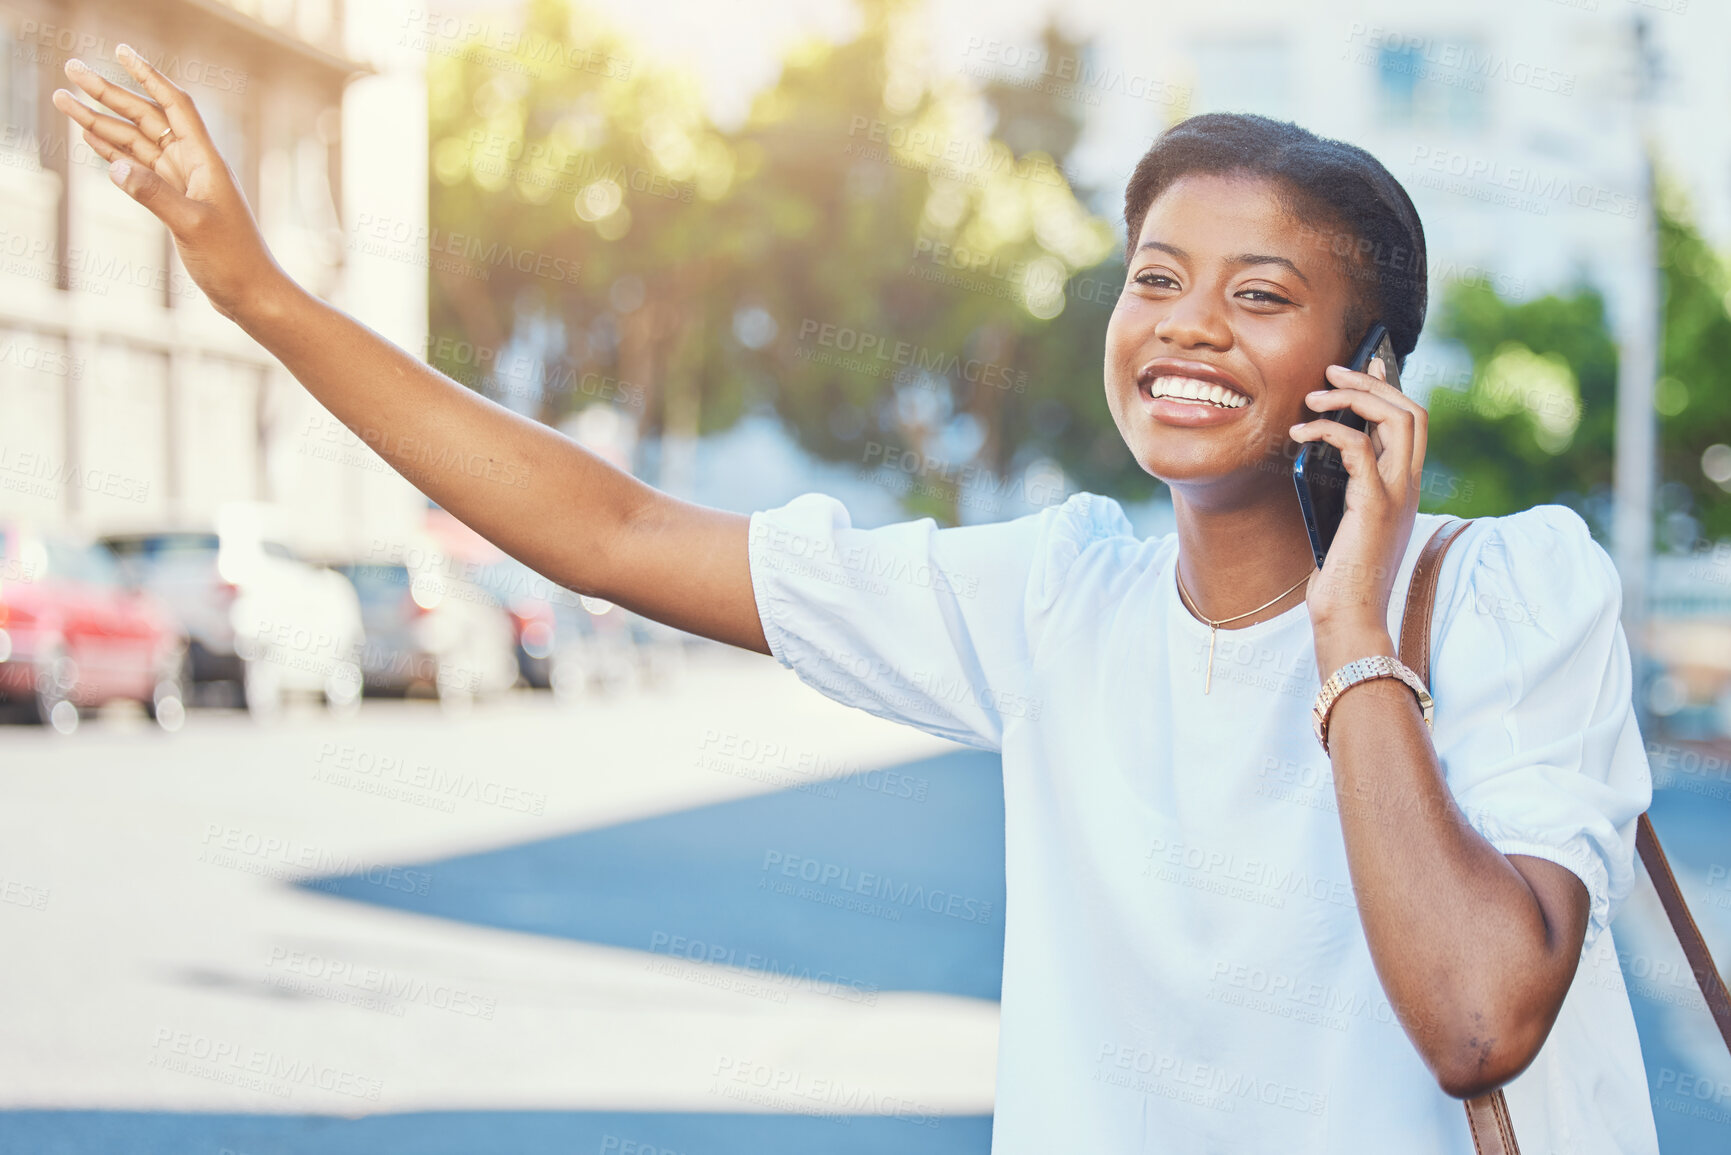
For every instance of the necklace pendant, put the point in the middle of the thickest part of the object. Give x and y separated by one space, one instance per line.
1208 678
1214 626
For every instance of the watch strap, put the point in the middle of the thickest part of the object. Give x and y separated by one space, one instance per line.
1415 624
1366 670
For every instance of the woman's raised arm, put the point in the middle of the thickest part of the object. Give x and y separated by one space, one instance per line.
534 493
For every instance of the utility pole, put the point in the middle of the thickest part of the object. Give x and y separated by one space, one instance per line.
1638 349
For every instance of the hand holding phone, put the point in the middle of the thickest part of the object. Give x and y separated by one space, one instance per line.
1318 472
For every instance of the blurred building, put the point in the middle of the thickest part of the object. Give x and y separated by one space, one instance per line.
125 400
1514 127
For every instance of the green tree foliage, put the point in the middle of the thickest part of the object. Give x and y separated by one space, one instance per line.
1538 421
968 268
1694 400
899 269
573 191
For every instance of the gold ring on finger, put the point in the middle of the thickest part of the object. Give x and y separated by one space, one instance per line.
166 133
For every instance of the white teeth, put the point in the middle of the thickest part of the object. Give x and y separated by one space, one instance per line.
1191 389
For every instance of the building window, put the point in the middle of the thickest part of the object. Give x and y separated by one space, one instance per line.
1430 83
18 81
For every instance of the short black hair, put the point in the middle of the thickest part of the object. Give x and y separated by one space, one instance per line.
1345 199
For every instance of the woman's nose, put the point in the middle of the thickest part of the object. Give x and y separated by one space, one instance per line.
1194 320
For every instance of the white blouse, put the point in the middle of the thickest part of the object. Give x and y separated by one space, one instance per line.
1184 965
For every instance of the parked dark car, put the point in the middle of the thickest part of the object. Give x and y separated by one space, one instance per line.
263 624
180 568
430 631
578 645
541 615
75 634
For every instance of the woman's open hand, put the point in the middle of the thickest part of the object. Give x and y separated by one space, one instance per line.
1385 470
160 152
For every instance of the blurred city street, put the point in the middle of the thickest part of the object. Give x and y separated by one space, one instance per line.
334 819
644 918
170 986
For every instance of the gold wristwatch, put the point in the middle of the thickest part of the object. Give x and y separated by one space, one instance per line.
1364 670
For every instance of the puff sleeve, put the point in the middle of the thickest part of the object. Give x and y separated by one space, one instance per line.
930 627
1535 724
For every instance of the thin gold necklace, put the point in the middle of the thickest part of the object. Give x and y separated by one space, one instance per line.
1214 624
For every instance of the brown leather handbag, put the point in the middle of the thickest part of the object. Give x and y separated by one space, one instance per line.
1488 1115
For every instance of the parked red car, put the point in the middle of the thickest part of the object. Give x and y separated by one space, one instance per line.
73 634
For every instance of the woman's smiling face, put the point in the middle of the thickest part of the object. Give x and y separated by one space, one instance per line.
1227 319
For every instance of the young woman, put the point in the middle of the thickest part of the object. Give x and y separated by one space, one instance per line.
1220 936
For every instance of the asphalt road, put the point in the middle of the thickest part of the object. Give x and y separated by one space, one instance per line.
537 927
617 925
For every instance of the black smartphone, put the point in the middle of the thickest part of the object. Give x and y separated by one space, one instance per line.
1317 470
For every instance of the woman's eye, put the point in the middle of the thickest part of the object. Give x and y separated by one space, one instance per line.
1156 280
1264 297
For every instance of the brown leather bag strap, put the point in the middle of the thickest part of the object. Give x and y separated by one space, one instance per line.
1487 1115
1421 599
1688 934
1493 1130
